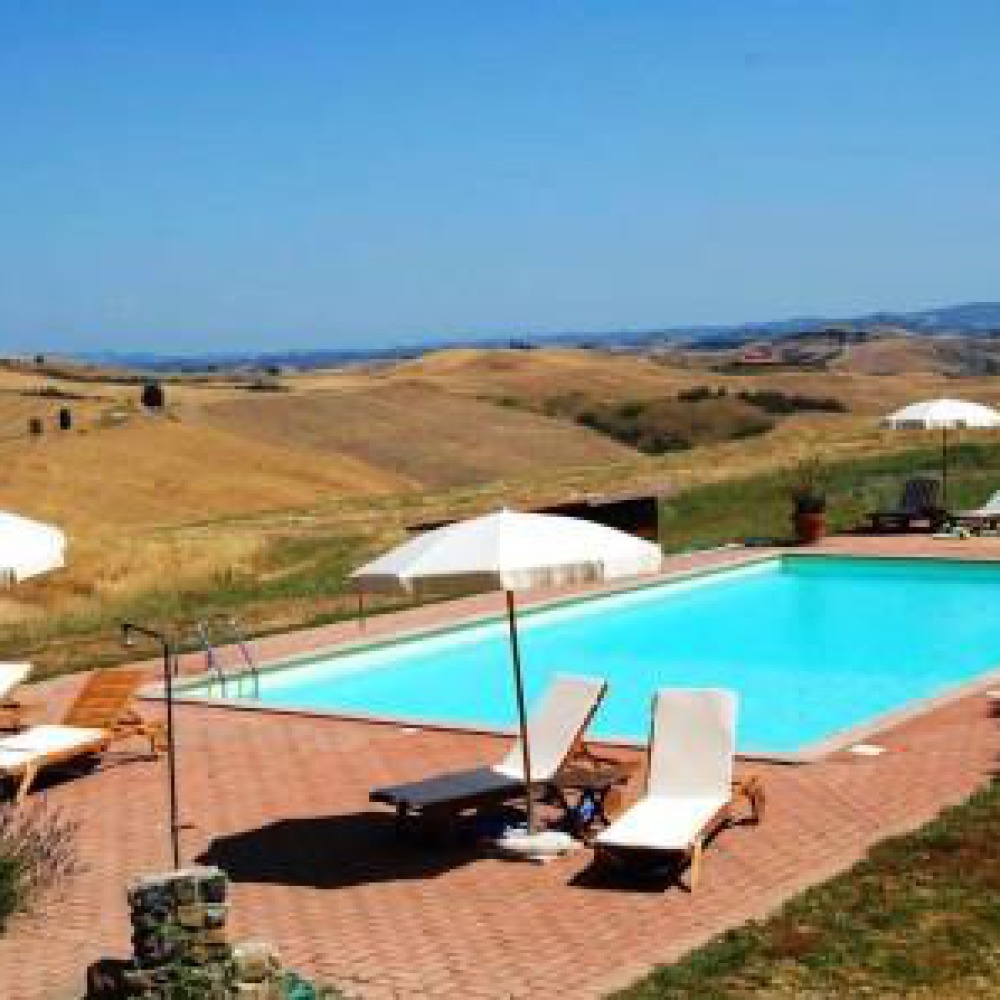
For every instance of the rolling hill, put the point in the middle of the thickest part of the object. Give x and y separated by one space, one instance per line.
418 431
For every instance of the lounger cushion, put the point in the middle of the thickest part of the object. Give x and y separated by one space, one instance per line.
52 739
557 720
661 823
447 788
15 760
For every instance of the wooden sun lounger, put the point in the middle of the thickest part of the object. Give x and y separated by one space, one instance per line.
555 737
100 716
12 709
691 793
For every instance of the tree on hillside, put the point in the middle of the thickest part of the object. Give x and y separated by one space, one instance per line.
153 397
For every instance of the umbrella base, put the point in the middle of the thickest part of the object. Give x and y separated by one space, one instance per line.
544 845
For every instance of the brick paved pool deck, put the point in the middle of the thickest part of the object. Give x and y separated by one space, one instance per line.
281 802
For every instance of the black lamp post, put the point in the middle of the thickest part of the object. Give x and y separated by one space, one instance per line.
128 628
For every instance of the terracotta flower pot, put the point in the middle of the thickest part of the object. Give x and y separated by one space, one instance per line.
809 528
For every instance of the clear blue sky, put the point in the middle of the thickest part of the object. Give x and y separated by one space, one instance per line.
190 176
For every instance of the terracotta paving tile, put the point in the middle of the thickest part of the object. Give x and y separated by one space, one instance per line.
280 801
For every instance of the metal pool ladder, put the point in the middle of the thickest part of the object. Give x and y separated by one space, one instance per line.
239 673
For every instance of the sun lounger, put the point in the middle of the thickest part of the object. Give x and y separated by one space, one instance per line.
99 716
987 516
690 792
918 504
11 709
555 735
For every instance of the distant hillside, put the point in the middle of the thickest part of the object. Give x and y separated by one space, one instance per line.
972 318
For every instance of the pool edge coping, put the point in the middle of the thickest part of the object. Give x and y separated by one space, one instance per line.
839 742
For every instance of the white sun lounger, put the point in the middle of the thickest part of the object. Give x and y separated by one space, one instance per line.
25 754
11 675
555 731
690 791
989 513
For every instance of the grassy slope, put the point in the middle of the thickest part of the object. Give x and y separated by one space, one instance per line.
433 437
156 471
758 506
919 917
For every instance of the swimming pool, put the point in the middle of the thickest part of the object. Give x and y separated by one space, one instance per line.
815 646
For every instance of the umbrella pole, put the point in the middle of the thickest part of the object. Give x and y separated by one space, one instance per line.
522 715
944 467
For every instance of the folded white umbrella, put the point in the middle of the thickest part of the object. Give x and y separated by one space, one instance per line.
943 415
29 548
512 551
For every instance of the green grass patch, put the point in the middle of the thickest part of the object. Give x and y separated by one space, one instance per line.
760 506
921 914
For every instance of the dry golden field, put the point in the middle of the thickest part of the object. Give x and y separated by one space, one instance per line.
259 501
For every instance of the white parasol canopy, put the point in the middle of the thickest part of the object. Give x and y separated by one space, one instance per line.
943 415
29 548
512 551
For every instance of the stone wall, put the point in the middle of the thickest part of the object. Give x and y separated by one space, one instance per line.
181 949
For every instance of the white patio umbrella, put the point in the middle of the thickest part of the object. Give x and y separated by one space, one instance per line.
943 415
28 548
512 551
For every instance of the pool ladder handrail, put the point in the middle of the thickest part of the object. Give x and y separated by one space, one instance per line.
213 664
250 669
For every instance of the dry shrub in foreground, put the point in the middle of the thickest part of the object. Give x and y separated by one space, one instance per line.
37 855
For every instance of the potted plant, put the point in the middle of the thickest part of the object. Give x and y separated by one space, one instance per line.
809 502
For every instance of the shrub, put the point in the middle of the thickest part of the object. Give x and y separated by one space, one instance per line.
295 987
697 394
266 384
37 854
660 442
631 409
775 401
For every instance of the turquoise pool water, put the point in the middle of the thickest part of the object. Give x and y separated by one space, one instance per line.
813 646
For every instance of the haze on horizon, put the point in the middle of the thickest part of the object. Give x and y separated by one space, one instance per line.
250 176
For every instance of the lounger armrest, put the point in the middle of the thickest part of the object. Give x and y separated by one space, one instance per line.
134 724
584 756
14 714
752 790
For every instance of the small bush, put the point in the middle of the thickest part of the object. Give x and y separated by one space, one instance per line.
697 394
53 392
37 854
295 987
266 384
631 409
